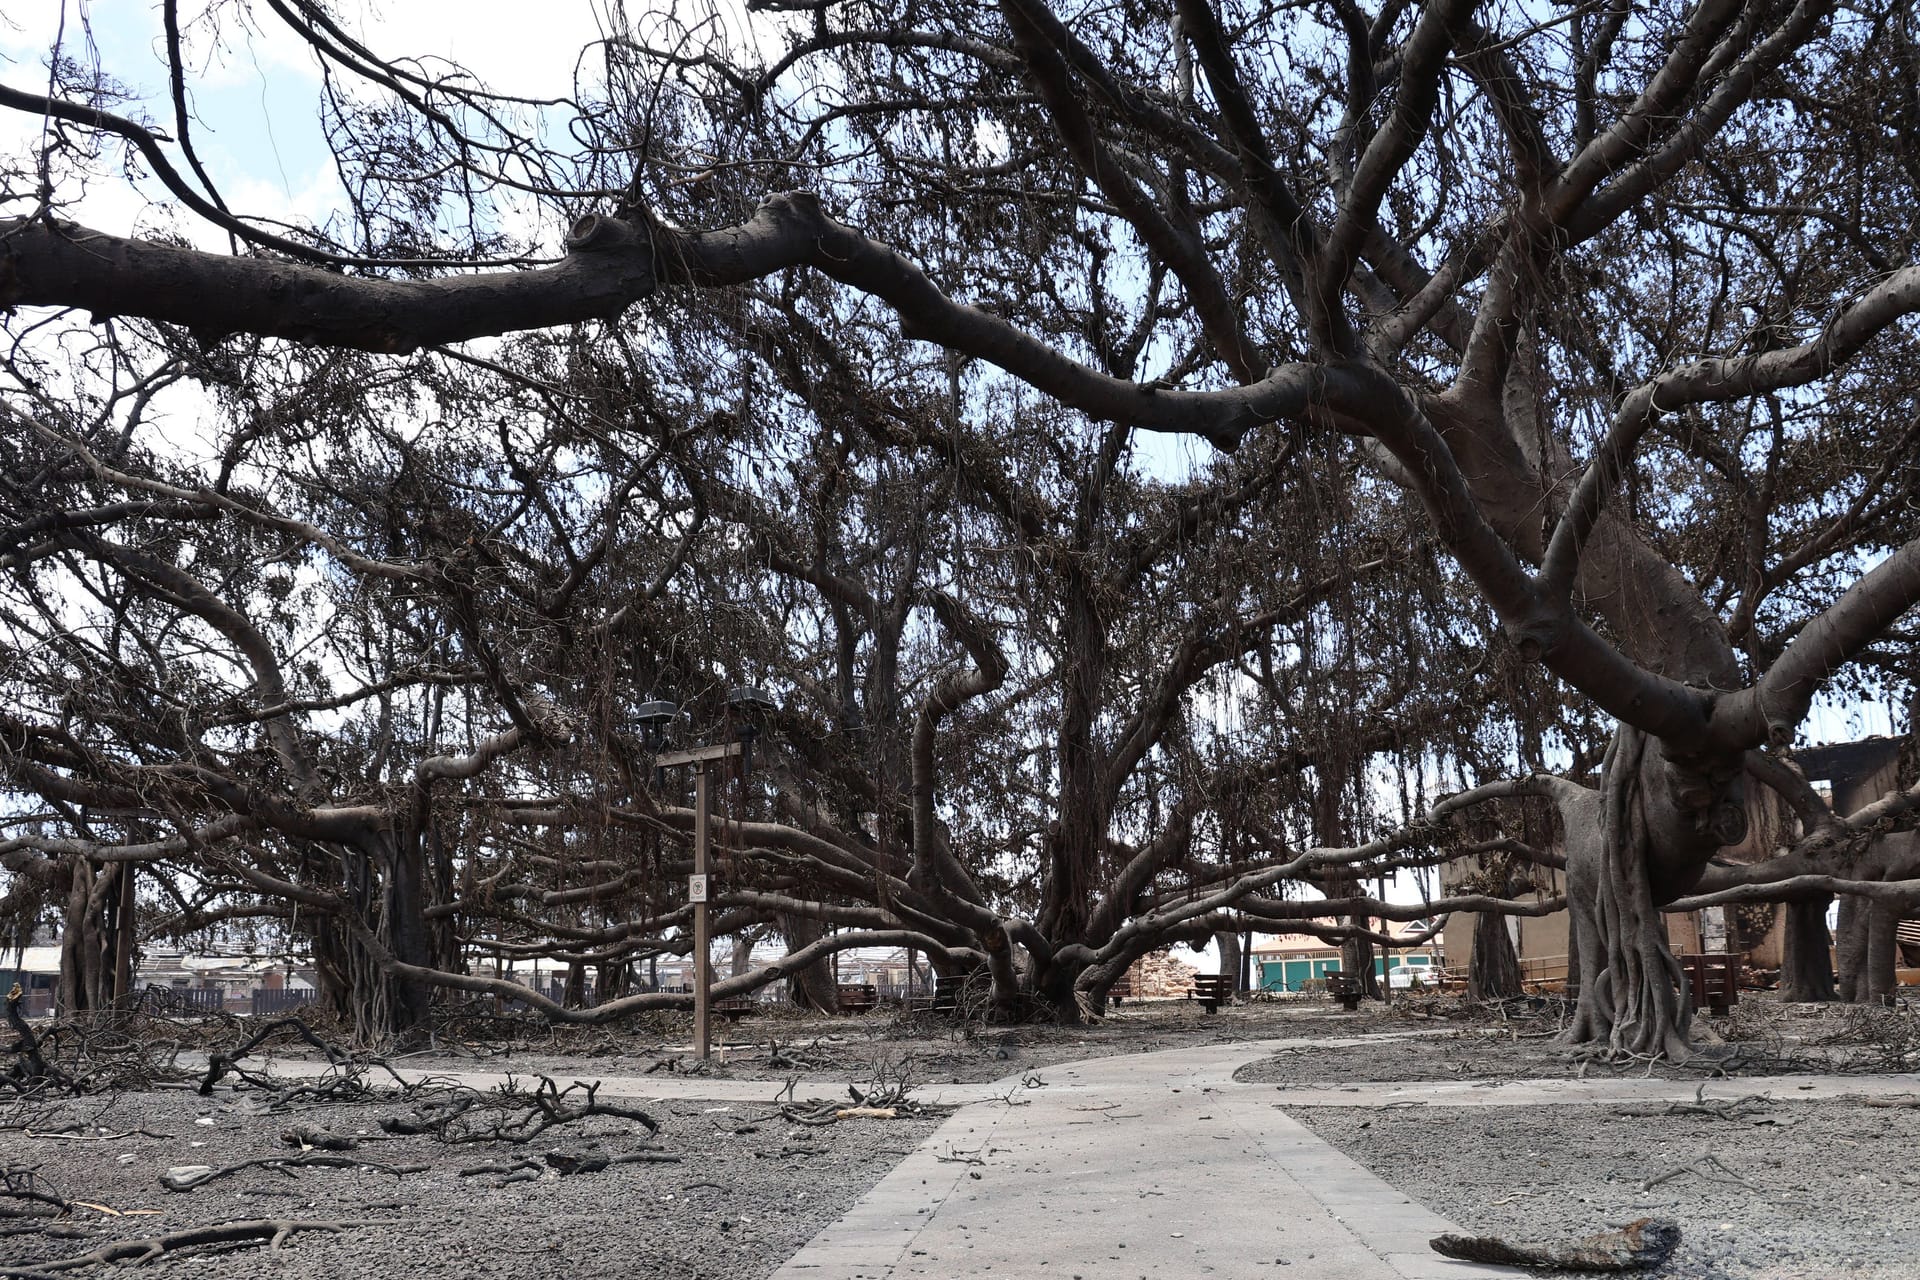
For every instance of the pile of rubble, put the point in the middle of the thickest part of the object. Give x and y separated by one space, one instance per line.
1160 974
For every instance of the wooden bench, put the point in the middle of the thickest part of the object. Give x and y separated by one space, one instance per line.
1212 990
1345 988
858 997
1122 989
945 997
1714 979
733 1008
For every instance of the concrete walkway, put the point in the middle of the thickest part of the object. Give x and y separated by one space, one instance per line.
1151 1164
1155 1165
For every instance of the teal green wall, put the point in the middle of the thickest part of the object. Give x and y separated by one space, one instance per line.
1289 974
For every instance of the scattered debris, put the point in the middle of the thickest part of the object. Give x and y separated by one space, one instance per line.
1714 1108
185 1177
310 1139
569 1163
459 1114
23 1183
221 1063
274 1232
884 1099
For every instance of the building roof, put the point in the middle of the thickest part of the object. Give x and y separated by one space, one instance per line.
1845 762
33 960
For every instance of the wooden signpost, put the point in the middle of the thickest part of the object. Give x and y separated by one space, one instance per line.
699 885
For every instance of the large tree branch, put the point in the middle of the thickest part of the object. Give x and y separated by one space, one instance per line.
610 265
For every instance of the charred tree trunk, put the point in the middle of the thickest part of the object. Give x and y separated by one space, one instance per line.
1882 959
1573 961
574 994
1079 836
404 932
1806 965
1009 1000
96 937
1850 949
1659 817
1640 842
1493 972
1357 958
1228 943
614 979
382 874
124 934
812 987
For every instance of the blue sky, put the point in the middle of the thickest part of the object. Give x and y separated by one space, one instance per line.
254 86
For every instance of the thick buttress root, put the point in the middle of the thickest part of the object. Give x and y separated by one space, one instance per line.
1632 993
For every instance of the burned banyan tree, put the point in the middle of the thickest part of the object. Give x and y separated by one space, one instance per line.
1118 435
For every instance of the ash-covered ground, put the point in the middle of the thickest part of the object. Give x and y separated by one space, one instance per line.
1766 1186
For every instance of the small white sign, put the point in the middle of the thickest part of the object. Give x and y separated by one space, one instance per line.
696 888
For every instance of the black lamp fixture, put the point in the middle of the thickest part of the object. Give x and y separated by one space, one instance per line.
747 705
654 715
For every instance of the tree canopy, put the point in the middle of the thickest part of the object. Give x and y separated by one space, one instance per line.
1155 452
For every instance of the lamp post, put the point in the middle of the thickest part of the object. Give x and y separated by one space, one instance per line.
746 702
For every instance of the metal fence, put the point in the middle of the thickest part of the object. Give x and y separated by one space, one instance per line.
157 999
266 1003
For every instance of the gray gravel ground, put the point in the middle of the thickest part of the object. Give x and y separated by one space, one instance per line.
737 1205
1762 1037
1802 1190
938 1051
1809 1190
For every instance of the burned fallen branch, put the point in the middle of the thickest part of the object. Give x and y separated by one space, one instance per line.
220 1064
347 1079
24 1185
185 1177
569 1163
100 1051
342 1084
1714 1108
566 1163
272 1231
1638 1246
506 1172
1709 1167
509 1114
29 1072
886 1100
307 1138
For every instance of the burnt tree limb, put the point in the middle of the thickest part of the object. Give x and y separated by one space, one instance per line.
272 1232
45 263
610 265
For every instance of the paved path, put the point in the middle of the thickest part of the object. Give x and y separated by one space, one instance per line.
1155 1164
1151 1164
